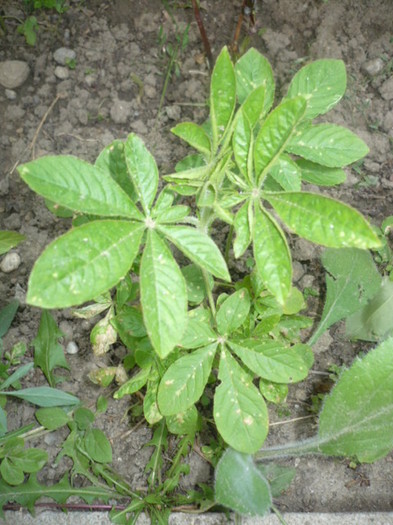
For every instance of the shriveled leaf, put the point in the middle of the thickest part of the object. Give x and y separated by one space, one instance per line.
9 240
142 169
194 135
374 321
253 70
363 424
184 381
320 175
274 361
351 280
48 353
233 312
327 144
241 486
199 248
83 263
222 96
322 83
242 230
272 255
163 295
77 185
240 412
275 134
323 220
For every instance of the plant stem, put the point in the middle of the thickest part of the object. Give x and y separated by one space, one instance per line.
308 446
202 31
279 515
228 244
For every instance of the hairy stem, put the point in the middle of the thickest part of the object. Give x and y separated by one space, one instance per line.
300 448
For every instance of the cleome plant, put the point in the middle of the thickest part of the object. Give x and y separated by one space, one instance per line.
202 347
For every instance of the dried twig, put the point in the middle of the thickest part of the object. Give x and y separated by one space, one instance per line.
202 31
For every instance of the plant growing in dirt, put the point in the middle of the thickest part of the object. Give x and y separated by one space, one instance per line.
188 327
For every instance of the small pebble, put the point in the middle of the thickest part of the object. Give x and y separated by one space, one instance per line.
72 348
10 262
13 73
173 112
373 67
10 94
64 55
61 72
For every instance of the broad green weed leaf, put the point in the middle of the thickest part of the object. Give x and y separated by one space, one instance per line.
286 172
327 144
294 302
164 201
52 418
233 312
128 323
323 220
241 142
194 135
184 381
112 160
134 384
241 486
20 372
275 133
273 361
97 446
240 412
356 418
253 70
320 175
374 321
351 280
142 169
199 331
322 83
7 315
272 256
48 353
253 106
45 396
242 230
183 423
9 240
222 96
11 473
199 248
77 185
83 417
163 295
83 263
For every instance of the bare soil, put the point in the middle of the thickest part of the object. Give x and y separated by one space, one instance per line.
116 44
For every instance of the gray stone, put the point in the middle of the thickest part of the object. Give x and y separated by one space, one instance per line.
139 127
173 112
61 72
120 111
373 67
64 55
72 348
10 262
386 89
13 222
13 73
10 94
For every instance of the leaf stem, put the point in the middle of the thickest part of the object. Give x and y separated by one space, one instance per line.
299 448
279 515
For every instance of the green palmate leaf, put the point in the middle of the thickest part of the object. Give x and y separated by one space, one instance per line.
173 214
184 381
9 239
199 331
253 70
128 323
199 248
113 162
48 353
163 295
241 486
164 201
351 280
323 220
222 96
134 384
183 423
363 424
253 106
194 135
52 418
240 412
287 174
327 144
320 175
242 230
275 134
84 263
374 321
272 255
44 396
233 312
28 493
7 315
196 289
241 142
274 361
97 446
194 175
83 417
77 185
142 169
322 83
